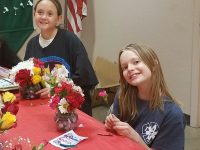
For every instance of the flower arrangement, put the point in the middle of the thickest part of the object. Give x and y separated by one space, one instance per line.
28 74
65 97
8 111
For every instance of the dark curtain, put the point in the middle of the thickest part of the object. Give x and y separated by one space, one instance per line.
16 22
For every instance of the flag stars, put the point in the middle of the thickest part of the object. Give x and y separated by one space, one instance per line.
5 10
15 9
29 3
22 5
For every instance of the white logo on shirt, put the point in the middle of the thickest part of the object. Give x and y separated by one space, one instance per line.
149 131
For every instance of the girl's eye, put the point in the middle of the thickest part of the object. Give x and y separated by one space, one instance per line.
136 62
50 14
40 13
124 68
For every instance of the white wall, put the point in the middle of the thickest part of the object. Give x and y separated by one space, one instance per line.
171 27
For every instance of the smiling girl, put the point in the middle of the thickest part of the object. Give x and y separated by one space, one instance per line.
144 109
65 45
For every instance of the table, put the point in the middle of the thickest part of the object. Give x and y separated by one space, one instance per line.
35 121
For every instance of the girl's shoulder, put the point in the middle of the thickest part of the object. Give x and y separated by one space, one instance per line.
34 39
67 36
170 105
172 110
66 33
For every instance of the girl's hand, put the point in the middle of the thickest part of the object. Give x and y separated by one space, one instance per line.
44 93
110 119
124 129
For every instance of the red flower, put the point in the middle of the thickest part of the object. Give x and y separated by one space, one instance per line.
54 101
75 99
38 63
58 90
11 107
23 77
68 87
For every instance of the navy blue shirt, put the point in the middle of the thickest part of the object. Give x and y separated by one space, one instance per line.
67 46
160 130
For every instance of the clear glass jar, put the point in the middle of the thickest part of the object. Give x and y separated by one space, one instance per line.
66 122
29 92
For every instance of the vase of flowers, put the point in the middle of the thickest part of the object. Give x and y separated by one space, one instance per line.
28 74
67 121
66 97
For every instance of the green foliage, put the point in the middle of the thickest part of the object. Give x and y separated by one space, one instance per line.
40 147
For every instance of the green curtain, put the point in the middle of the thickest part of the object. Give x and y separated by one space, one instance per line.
16 22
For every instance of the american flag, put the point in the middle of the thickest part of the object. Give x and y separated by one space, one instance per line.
76 11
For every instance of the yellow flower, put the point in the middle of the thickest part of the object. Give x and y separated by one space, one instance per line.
47 70
36 71
7 121
9 97
36 79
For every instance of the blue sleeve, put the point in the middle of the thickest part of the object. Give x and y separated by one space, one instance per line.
171 133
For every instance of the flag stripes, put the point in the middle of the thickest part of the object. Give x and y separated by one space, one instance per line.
76 11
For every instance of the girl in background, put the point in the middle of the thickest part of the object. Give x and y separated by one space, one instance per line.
143 109
52 41
8 58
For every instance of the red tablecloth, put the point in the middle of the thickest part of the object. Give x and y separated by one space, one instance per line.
35 121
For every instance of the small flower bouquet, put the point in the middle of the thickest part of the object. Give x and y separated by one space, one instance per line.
8 111
65 97
28 74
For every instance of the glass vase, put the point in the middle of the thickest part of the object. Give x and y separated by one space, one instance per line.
29 92
66 122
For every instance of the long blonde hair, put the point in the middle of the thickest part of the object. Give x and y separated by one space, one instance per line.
128 94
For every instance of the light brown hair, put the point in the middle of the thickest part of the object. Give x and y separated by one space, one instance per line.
128 94
55 2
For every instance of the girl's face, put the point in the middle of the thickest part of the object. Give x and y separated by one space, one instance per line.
46 17
135 71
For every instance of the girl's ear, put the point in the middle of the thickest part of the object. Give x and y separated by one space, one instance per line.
59 20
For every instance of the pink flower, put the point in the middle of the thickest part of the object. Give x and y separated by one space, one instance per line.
54 101
103 93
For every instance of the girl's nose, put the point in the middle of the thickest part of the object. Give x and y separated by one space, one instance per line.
130 67
44 15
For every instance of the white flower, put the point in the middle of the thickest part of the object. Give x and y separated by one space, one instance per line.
63 72
70 81
62 106
78 89
60 72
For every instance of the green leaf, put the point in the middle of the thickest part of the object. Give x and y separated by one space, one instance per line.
34 148
41 146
